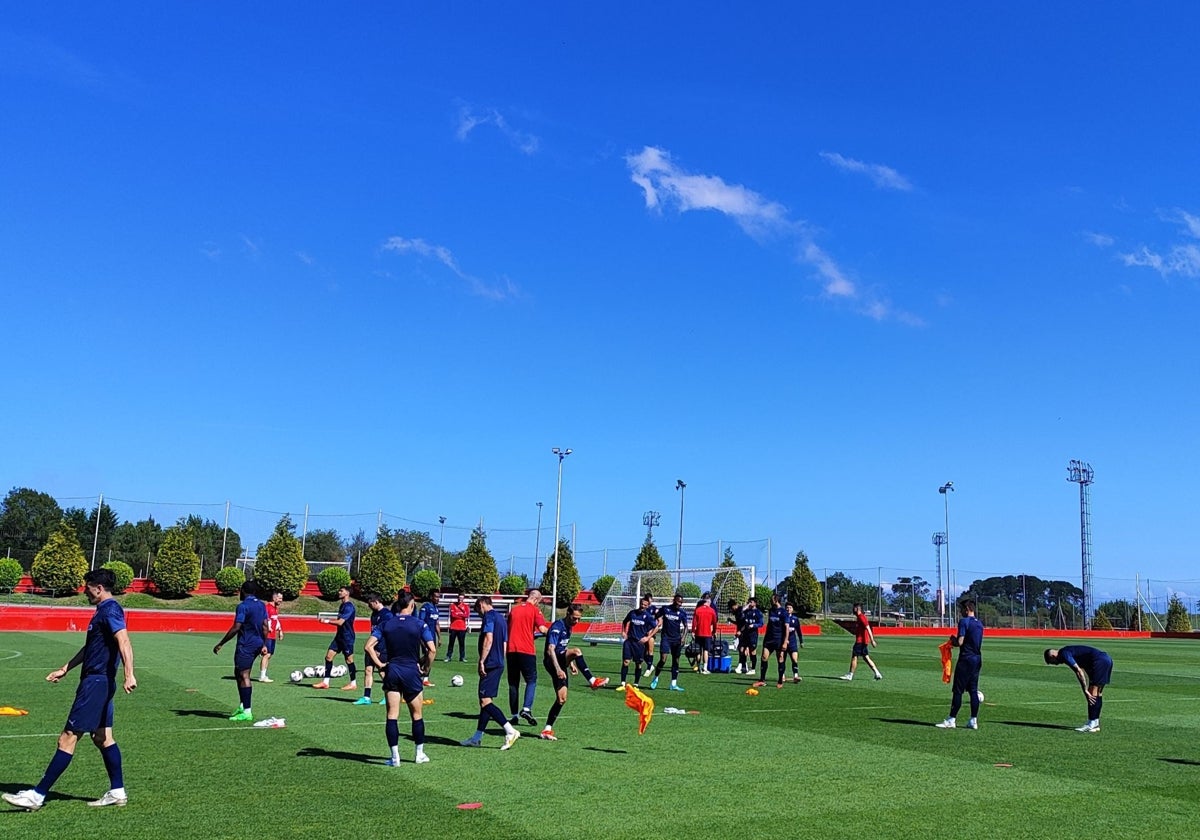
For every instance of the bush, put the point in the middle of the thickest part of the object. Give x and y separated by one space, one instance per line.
229 580
569 583
763 593
424 584
512 585
176 570
280 562
602 585
330 580
803 589
60 566
1177 616
475 569
381 569
1101 622
727 585
123 573
690 590
10 574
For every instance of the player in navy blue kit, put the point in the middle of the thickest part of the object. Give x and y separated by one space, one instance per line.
432 616
795 641
651 614
493 645
969 641
407 640
752 622
250 627
107 639
343 641
774 640
558 658
379 614
672 624
1093 668
635 631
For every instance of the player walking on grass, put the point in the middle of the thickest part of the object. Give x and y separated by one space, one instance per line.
969 641
407 640
379 614
107 639
1093 669
795 641
343 641
704 627
651 613
635 632
493 645
250 627
672 624
774 640
274 631
862 636
460 612
524 619
557 658
432 616
752 622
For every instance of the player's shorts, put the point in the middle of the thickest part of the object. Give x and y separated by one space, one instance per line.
554 678
672 648
748 639
966 674
405 679
771 645
343 646
244 656
705 643
93 706
522 665
1101 671
793 646
633 650
489 683
271 647
860 649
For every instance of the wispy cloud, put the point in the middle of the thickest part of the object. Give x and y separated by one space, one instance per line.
502 290
470 119
1100 240
666 185
883 177
1179 258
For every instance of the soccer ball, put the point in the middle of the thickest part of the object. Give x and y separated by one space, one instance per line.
297 676
310 671
456 680
979 694
338 671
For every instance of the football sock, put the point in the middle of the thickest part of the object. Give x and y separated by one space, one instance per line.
353 671
587 672
418 733
1094 714
762 675
112 763
58 764
244 693
624 672
395 753
367 692
553 716
493 712
328 669
781 672
742 661
393 732
674 668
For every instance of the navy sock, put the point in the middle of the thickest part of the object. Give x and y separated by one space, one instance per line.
674 668
367 693
353 671
583 666
244 694
393 732
485 714
418 730
58 764
494 712
781 670
112 763
553 716
1095 713
624 672
328 670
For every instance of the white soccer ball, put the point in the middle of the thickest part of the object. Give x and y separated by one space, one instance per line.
310 671
979 694
456 680
338 671
297 676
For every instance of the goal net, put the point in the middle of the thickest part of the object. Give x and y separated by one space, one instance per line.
723 582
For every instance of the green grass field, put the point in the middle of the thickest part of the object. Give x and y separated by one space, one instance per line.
822 758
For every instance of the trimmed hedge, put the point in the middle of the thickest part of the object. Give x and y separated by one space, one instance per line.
331 580
123 574
229 580
60 566
10 574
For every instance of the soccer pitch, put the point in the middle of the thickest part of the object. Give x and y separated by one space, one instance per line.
817 759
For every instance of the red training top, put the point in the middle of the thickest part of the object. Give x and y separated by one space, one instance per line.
273 625
459 613
523 618
860 629
704 622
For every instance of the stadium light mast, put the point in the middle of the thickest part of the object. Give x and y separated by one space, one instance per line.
562 455
441 541
537 546
1081 473
680 486
651 519
939 540
946 489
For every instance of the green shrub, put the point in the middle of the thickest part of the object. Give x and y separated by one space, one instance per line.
229 580
10 574
763 593
690 590
123 574
280 563
330 580
60 566
381 570
803 589
424 584
176 569
475 569
602 585
1101 622
569 583
512 585
1177 616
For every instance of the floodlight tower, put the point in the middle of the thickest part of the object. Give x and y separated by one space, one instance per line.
651 519
679 485
1081 473
946 489
939 540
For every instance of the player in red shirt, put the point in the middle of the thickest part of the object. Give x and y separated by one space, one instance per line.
460 611
704 627
524 619
274 631
862 635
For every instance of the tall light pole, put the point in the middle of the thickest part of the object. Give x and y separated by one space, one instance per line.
939 540
562 454
680 486
537 548
946 489
441 541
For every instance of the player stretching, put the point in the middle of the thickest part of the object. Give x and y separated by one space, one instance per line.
493 645
774 640
672 624
92 710
379 614
795 641
250 627
557 658
862 635
407 640
1093 669
635 632
343 641
969 642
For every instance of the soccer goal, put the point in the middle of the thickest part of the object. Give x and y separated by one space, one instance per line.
724 582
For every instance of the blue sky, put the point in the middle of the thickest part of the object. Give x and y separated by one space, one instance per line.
813 261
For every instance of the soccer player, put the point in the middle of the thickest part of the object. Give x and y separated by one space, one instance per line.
969 641
523 620
1093 669
672 623
274 631
379 614
635 632
557 658
651 613
862 635
343 641
92 710
774 640
431 615
460 612
493 645
407 640
795 641
704 627
752 622
250 627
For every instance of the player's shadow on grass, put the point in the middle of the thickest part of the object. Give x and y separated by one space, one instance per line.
53 795
335 698
905 721
204 713
318 752
1186 761
822 677
1035 725
603 750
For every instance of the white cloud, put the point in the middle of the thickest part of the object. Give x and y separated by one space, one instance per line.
884 177
1100 240
1182 258
666 185
501 290
469 120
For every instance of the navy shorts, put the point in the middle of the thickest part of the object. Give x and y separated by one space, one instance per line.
522 665
1101 672
705 643
633 651
793 645
406 680
243 657
93 706
860 649
671 647
966 674
345 648
748 639
554 678
489 683
270 647
771 646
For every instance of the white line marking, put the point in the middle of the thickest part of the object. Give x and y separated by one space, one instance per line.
12 654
